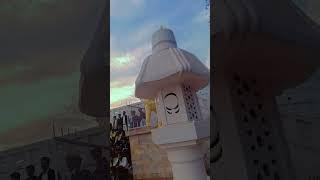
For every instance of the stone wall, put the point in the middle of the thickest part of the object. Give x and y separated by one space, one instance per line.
149 161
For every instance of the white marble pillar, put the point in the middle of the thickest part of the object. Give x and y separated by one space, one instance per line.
187 161
184 150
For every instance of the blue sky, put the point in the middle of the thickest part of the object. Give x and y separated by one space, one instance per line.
131 28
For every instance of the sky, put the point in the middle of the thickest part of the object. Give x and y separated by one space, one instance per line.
132 23
41 45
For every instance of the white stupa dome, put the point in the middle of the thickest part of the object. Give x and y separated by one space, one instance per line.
168 66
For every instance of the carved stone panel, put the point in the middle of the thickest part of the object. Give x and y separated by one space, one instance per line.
192 104
255 129
173 105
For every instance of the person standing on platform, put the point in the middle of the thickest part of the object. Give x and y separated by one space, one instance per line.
125 117
119 122
142 116
114 123
135 119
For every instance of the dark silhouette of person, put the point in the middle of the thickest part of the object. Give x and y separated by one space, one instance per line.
30 170
114 122
15 176
102 165
47 173
119 122
142 115
125 117
74 162
135 119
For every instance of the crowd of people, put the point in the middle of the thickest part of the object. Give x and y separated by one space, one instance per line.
73 162
121 165
46 172
133 121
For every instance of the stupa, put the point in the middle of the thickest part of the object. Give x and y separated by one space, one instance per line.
172 77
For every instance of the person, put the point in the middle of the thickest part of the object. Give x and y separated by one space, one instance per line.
142 116
135 119
47 173
125 117
100 173
15 176
73 162
130 121
30 170
114 123
119 122
113 134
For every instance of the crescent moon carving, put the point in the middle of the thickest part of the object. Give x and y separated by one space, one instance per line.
175 108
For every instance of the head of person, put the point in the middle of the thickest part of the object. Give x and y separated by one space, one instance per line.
73 161
45 163
30 170
119 115
124 112
15 176
114 117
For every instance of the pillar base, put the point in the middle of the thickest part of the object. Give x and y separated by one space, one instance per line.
182 142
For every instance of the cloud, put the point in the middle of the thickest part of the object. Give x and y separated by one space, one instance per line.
124 70
122 91
128 63
126 9
124 81
143 34
203 16
124 73
128 52
126 60
131 33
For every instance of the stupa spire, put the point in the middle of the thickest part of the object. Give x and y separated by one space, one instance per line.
163 39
